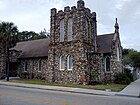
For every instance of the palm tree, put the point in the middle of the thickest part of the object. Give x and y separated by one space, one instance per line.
8 37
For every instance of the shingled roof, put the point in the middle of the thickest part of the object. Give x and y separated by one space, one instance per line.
104 42
39 48
32 49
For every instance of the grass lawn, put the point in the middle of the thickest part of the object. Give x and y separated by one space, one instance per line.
112 86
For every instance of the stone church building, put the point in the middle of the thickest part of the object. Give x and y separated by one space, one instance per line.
74 53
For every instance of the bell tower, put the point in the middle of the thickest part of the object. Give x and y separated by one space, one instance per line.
73 34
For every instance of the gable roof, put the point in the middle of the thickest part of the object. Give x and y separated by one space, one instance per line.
104 42
34 48
39 48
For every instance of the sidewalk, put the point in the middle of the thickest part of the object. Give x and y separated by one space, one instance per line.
132 90
58 88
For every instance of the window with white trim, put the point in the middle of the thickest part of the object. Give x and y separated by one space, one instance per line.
69 62
69 29
107 64
62 30
118 54
61 62
25 66
39 66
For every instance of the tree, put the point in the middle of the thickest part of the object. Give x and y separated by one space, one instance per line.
131 61
131 57
8 34
135 59
127 51
126 58
31 35
27 35
44 33
8 38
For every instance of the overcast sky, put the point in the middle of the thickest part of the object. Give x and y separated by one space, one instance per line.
34 15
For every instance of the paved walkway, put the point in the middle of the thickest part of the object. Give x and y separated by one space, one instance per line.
58 88
132 90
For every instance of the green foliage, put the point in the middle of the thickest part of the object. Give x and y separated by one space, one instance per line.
113 87
124 78
135 59
92 74
127 51
131 58
31 35
126 57
30 81
44 33
92 77
8 34
128 74
121 78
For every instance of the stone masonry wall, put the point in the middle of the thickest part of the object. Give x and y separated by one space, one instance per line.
115 65
33 71
83 42
2 62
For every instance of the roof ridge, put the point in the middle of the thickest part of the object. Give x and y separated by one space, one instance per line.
33 40
106 34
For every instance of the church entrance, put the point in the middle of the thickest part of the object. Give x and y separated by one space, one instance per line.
13 69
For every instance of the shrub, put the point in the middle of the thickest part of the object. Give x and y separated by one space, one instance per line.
122 78
129 74
92 77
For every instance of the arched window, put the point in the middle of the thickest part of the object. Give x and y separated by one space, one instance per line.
25 66
39 66
107 64
69 62
62 30
69 29
61 62
87 31
118 53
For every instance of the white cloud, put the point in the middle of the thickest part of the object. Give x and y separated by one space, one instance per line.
134 46
29 14
2 5
104 29
120 3
129 10
25 17
34 15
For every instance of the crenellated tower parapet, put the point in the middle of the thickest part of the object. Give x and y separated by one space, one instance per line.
73 34
84 24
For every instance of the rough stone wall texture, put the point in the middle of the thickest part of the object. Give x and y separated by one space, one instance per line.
83 49
115 64
14 55
82 43
2 61
32 71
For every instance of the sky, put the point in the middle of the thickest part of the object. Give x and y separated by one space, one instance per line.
34 15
